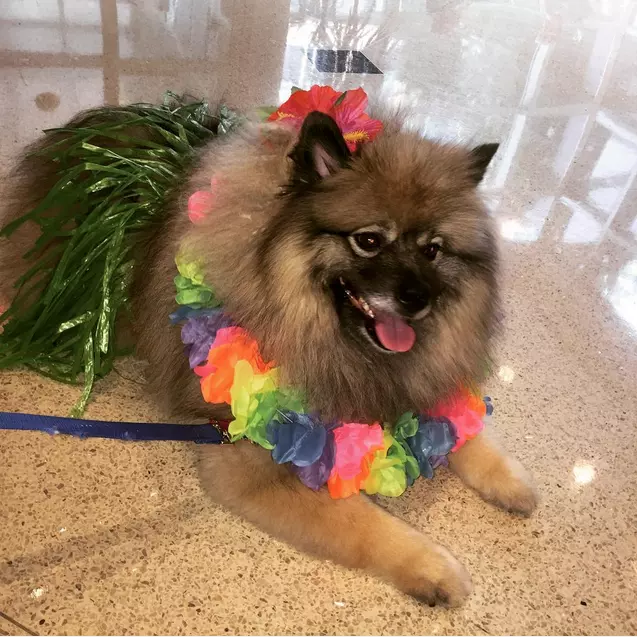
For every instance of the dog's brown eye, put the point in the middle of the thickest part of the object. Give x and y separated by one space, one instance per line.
431 250
369 241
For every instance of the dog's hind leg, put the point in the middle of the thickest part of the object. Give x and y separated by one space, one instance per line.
496 476
353 532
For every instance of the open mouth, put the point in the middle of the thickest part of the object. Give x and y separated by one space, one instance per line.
387 330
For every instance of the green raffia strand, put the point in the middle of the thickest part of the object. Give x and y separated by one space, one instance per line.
62 321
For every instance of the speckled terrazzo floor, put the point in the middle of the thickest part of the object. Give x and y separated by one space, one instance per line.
101 537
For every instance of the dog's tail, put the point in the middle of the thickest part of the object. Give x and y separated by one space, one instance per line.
78 203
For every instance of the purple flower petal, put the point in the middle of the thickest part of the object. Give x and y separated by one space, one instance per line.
198 334
315 475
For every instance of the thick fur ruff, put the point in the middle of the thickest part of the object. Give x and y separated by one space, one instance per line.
269 260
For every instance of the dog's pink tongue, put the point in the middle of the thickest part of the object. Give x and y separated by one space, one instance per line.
393 332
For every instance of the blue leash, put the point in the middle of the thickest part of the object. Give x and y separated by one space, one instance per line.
201 434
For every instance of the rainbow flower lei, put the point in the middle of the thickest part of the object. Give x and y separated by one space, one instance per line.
348 457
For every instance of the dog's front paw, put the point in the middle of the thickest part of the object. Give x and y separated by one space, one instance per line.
495 475
509 485
436 577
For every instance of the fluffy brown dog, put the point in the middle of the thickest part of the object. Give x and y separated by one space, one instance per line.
371 279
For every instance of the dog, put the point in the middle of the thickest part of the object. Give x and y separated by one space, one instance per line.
371 278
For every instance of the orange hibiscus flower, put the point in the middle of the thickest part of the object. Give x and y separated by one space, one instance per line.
347 109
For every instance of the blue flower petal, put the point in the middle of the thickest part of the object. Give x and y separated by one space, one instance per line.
435 437
297 438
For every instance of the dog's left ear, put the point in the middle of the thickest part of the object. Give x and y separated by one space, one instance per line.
320 150
480 158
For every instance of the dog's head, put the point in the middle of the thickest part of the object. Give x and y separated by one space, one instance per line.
381 271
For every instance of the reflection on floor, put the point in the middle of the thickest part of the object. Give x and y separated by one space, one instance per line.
100 537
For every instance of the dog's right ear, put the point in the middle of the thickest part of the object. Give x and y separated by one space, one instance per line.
320 150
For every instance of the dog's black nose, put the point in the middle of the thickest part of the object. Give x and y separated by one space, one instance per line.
413 297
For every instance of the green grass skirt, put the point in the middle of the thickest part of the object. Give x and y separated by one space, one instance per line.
113 175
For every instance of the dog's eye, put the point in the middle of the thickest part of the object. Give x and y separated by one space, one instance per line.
431 250
367 243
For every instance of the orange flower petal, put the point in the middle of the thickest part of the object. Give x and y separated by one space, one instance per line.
339 487
322 98
352 107
231 345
